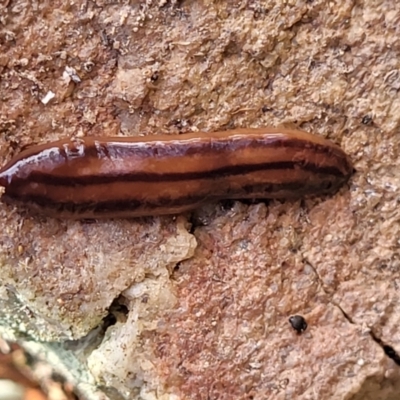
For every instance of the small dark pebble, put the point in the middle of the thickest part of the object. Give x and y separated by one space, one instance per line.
298 323
154 77
265 109
367 120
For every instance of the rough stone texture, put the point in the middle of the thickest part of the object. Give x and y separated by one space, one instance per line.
160 308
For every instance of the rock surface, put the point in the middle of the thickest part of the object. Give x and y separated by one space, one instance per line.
197 306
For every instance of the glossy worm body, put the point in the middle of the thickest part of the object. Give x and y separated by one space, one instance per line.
107 177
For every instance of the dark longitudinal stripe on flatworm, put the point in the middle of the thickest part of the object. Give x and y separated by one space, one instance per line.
39 177
135 203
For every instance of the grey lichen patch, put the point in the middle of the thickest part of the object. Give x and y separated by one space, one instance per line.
71 286
125 359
